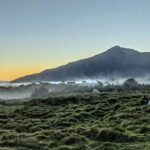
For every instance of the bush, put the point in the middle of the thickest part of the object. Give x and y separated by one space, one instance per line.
112 135
144 129
73 139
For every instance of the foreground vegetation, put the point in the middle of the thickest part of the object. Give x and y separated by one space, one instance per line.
105 121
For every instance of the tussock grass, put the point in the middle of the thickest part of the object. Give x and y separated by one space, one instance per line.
106 121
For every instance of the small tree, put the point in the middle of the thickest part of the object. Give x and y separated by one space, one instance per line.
130 83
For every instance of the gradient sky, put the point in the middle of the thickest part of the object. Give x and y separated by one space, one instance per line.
40 34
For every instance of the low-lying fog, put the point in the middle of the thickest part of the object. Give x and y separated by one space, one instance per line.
23 91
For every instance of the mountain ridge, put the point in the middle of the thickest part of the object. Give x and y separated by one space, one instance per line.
116 61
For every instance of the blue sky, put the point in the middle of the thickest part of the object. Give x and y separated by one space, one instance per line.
40 34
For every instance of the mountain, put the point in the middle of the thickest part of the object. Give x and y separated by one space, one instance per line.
115 62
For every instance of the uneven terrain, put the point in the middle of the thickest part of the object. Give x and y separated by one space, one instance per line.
105 121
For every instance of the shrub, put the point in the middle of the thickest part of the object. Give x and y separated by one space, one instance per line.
112 135
73 139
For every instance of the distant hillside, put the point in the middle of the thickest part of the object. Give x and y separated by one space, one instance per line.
116 61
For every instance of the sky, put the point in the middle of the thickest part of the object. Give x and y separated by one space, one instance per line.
41 34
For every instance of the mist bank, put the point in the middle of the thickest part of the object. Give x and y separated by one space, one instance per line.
26 91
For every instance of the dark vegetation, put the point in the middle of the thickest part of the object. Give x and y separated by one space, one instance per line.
107 121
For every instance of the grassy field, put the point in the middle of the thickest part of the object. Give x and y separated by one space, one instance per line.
105 121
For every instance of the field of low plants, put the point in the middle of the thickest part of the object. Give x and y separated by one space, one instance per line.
105 121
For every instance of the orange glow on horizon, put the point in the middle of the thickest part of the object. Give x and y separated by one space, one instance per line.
11 75
14 73
11 71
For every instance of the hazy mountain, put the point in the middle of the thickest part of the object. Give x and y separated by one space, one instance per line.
115 62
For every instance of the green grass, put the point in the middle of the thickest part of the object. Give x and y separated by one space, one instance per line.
106 121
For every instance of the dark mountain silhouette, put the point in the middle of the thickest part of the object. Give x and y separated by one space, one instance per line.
115 62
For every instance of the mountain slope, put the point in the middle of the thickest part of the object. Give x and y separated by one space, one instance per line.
116 61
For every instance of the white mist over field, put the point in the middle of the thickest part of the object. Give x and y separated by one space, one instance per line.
21 91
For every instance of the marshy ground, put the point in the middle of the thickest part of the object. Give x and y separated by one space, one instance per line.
105 121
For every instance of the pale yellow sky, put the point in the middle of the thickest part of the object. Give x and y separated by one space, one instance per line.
11 72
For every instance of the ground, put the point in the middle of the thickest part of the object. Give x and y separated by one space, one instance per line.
104 121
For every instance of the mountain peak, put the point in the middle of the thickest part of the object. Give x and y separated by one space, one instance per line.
115 47
119 49
116 61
